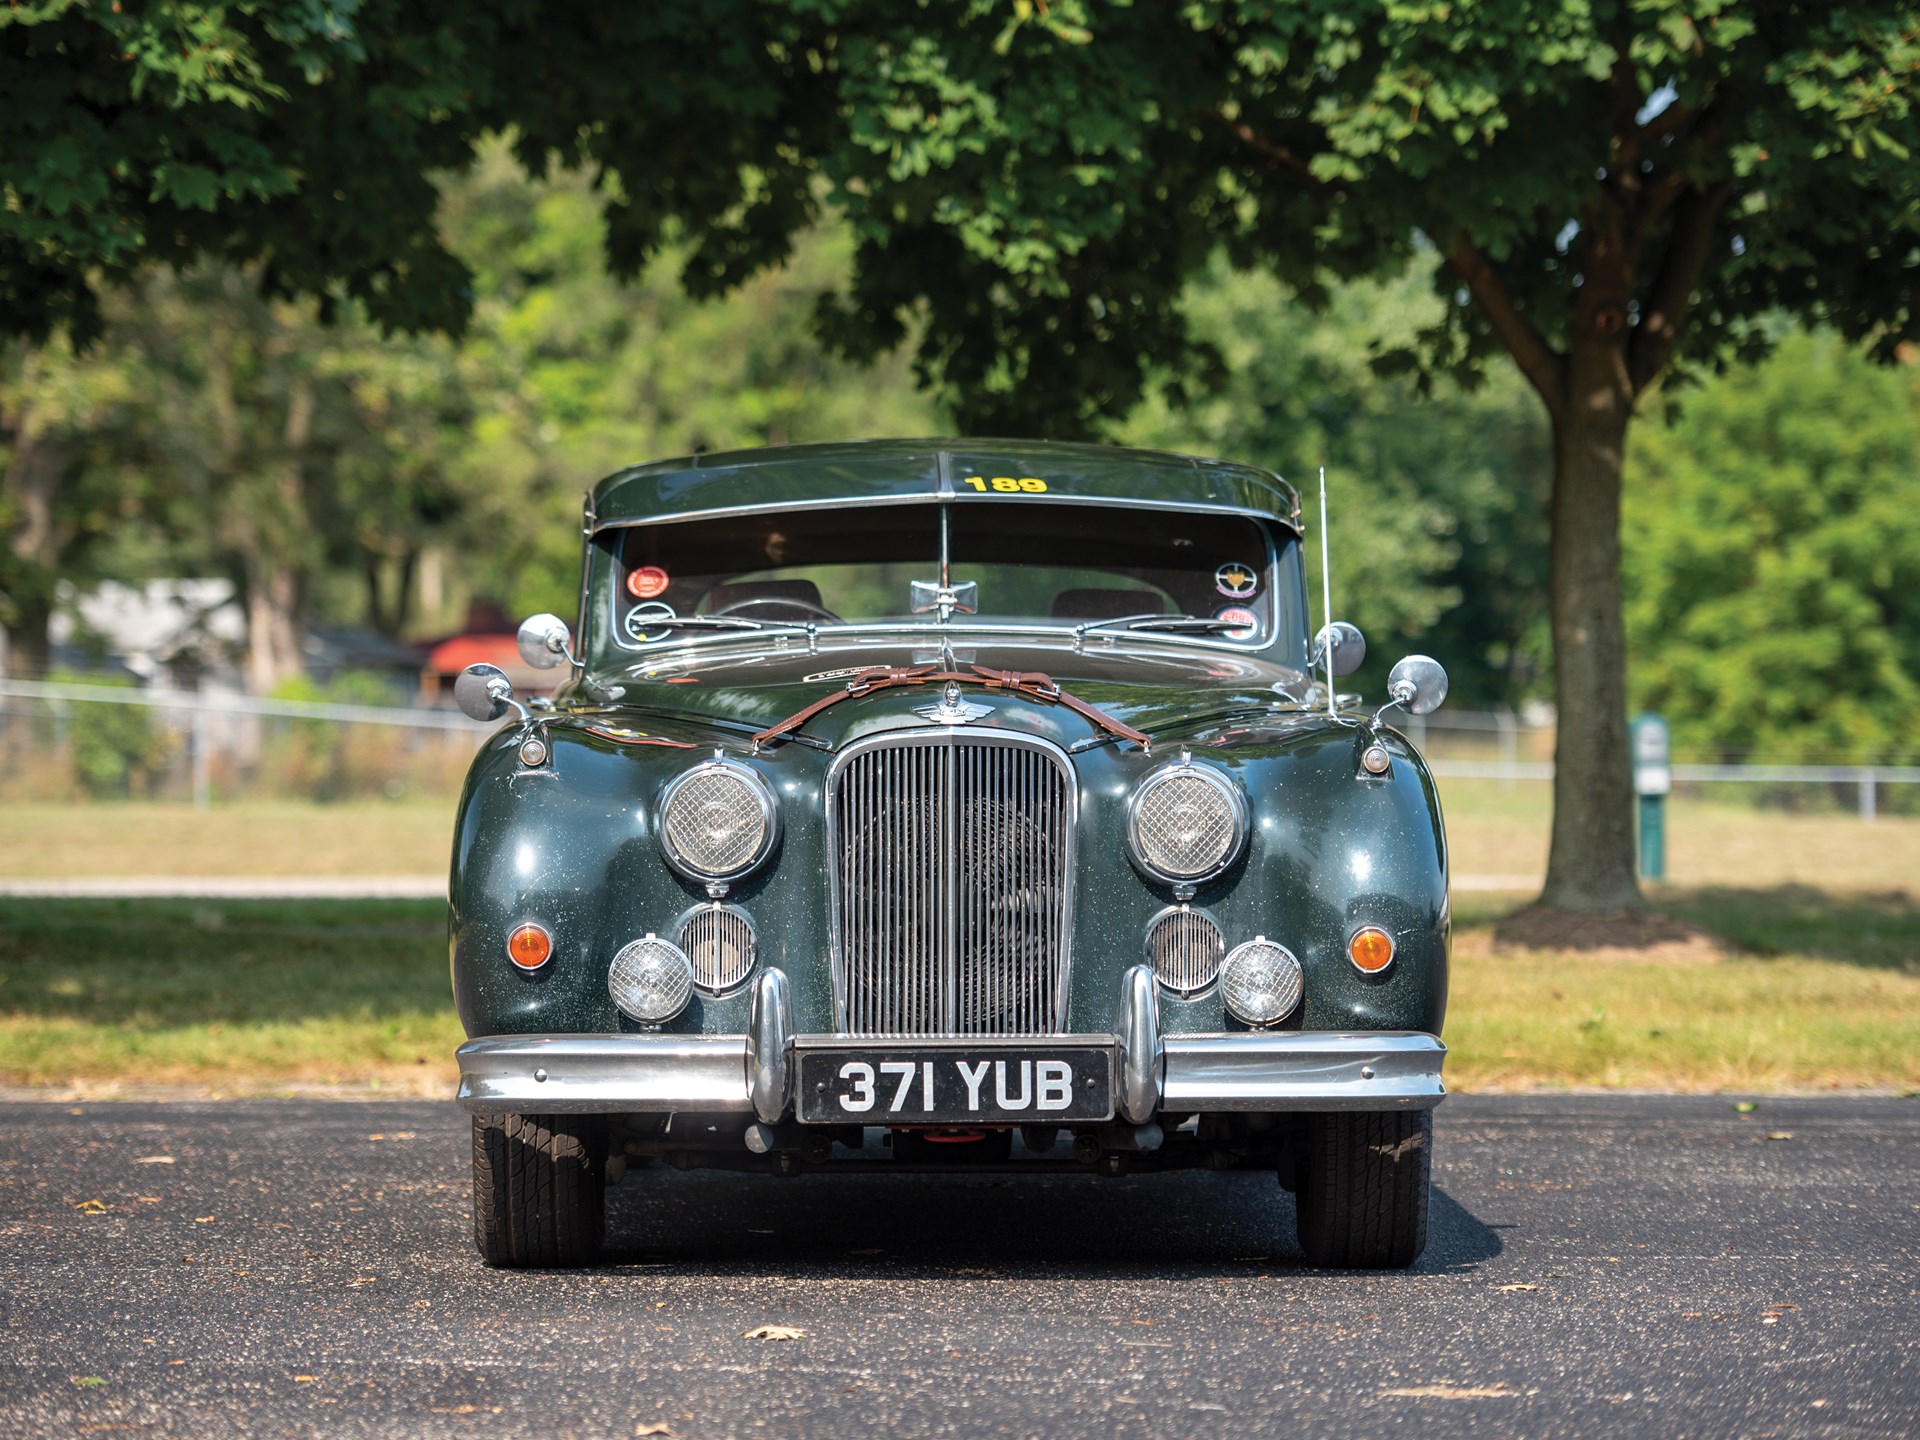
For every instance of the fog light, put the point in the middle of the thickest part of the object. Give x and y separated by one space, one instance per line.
651 980
1370 949
1261 982
529 947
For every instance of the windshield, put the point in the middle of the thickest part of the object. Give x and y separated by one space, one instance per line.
1023 565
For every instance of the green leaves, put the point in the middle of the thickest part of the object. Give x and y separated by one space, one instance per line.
1772 561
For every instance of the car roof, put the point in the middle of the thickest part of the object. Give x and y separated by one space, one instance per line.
899 471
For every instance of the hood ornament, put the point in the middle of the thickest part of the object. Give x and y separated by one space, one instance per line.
952 709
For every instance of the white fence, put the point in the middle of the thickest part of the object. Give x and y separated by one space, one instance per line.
211 729
229 734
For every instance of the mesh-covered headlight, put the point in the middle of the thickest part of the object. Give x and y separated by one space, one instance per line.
650 980
1260 982
1186 823
717 821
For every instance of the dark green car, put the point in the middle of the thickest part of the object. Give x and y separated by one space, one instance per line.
953 806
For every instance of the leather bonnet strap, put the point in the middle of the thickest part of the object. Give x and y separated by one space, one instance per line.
1034 684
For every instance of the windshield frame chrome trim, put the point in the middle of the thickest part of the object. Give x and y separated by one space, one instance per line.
701 640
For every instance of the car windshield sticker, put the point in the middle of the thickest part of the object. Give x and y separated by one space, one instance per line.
640 617
646 582
1006 484
1236 581
1245 619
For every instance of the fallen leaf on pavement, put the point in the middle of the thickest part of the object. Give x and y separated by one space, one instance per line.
1442 1390
1780 1135
775 1332
154 1160
1509 1289
87 1382
91 1207
1746 1107
661 1429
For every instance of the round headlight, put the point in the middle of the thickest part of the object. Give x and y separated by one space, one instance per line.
651 980
1186 823
1260 982
717 820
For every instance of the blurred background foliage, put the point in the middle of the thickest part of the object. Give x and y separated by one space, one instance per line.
343 477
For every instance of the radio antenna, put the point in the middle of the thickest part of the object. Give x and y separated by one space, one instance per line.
1326 593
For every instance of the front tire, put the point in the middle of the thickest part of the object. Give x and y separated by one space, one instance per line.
1362 1197
539 1190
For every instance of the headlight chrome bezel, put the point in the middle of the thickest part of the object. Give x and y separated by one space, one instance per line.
763 796
1223 784
671 1000
1288 970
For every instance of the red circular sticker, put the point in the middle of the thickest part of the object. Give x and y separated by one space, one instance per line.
1245 619
646 582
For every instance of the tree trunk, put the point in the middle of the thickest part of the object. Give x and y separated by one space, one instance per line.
274 651
1591 863
36 472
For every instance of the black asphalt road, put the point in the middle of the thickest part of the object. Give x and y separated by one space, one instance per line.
1599 1266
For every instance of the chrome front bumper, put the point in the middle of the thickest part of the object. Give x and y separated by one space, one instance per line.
749 1074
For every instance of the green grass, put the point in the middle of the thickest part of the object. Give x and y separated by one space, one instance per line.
1493 829
253 996
243 993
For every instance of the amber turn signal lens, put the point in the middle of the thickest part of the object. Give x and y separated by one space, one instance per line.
1371 949
529 947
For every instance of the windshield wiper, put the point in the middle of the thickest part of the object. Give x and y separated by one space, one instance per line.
1159 620
715 622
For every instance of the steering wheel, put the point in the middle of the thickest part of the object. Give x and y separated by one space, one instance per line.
776 603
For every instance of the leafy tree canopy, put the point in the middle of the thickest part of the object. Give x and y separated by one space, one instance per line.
1775 565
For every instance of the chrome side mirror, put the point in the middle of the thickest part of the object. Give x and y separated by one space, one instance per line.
1417 684
543 642
1349 647
484 693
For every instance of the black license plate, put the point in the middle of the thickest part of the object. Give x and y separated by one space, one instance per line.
926 1085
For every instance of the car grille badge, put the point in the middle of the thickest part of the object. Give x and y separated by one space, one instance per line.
951 709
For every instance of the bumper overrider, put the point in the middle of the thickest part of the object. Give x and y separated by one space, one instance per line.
753 1073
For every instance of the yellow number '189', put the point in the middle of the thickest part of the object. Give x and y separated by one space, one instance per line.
1007 485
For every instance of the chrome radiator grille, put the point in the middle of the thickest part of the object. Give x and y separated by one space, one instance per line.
951 855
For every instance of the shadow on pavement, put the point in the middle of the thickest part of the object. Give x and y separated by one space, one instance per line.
1177 1226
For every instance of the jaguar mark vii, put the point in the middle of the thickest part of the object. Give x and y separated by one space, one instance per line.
948 806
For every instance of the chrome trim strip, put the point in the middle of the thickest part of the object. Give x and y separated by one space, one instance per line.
1303 1070
958 1044
934 496
769 1033
638 1074
731 1074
